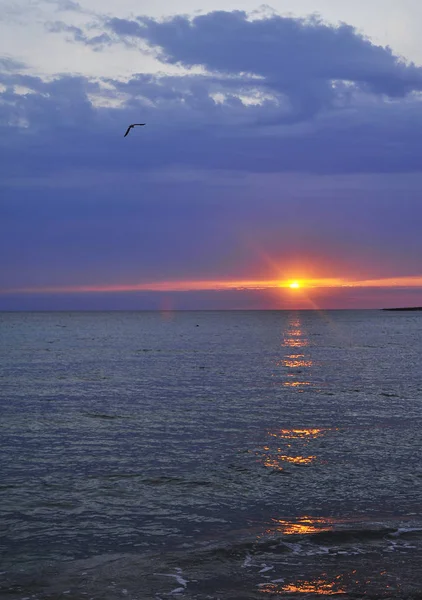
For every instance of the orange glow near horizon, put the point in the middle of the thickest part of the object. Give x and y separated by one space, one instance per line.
223 285
179 286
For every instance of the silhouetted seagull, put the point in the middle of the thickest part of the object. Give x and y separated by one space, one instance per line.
134 125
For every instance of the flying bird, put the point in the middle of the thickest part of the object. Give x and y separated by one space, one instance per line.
133 125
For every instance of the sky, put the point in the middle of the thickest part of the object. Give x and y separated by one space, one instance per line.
279 167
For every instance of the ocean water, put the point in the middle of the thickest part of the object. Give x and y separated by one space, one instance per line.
210 455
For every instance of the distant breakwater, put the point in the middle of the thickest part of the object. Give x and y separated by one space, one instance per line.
405 308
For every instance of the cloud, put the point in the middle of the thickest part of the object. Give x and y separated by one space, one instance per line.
46 124
303 148
285 49
77 34
66 5
274 70
11 65
306 63
26 10
33 105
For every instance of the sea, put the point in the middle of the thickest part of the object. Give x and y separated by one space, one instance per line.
210 455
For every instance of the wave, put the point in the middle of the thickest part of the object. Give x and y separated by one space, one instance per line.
343 541
245 565
102 416
352 535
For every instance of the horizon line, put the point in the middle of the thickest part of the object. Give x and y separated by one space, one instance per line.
224 285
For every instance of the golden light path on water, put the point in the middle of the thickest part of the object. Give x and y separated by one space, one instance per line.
288 446
298 445
295 338
294 369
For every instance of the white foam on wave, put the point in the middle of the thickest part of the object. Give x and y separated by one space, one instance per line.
247 562
180 580
295 548
265 568
402 530
178 590
260 585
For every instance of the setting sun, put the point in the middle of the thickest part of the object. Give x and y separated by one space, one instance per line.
294 285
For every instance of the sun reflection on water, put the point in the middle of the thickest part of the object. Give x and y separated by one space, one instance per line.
294 370
323 587
275 462
276 458
294 451
305 525
297 460
295 434
295 338
296 384
295 343
294 363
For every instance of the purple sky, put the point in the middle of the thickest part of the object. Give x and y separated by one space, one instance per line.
277 148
